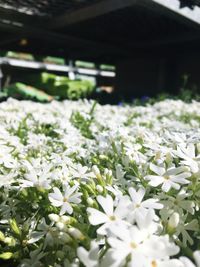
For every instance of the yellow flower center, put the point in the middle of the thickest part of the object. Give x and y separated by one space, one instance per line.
176 202
112 218
65 199
166 177
154 264
133 245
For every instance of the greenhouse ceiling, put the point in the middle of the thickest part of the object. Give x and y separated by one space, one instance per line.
98 29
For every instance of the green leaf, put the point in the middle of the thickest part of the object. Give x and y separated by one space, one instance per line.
15 227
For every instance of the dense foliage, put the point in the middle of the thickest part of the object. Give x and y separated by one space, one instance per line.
89 185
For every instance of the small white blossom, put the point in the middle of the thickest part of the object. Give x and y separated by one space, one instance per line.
64 200
89 258
110 214
188 156
140 206
170 178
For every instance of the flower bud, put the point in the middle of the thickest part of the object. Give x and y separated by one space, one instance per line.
103 157
174 220
169 158
95 169
15 227
74 232
90 201
54 217
61 226
65 219
2 237
10 241
6 255
99 188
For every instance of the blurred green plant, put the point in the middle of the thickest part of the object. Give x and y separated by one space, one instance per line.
60 86
187 93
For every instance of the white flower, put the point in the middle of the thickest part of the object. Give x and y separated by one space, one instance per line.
43 230
110 215
89 258
170 178
197 257
7 178
187 263
34 260
62 174
6 158
188 156
139 176
134 243
138 206
60 221
116 192
65 199
82 172
119 172
179 202
38 175
124 242
146 223
34 180
183 228
163 263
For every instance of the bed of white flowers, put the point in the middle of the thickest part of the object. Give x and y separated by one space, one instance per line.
96 186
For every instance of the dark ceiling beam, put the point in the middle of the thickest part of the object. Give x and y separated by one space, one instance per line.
43 34
106 6
92 11
64 41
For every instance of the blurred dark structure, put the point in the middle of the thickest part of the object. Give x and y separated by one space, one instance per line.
151 42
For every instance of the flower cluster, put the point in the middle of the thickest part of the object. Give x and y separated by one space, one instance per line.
88 185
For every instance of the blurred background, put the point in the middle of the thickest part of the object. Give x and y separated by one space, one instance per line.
111 50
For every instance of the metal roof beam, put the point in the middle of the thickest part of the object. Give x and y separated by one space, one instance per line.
63 40
170 8
94 10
